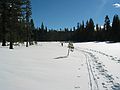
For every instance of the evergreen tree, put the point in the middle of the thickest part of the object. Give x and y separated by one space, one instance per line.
87 25
82 26
14 19
74 29
107 29
116 28
27 17
91 25
42 26
14 11
97 27
3 11
78 26
32 24
89 30
107 23
0 22
34 31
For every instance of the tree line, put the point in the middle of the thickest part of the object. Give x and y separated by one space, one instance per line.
17 25
83 32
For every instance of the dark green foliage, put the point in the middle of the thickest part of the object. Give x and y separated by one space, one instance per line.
3 16
15 25
28 12
107 23
82 33
116 28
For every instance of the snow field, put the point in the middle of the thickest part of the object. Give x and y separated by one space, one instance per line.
92 66
37 68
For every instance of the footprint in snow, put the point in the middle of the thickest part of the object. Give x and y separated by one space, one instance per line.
98 78
119 61
78 76
103 84
116 86
111 56
78 68
81 64
117 77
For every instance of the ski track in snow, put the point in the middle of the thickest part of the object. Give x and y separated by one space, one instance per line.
98 71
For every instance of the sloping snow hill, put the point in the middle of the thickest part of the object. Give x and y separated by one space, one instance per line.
92 66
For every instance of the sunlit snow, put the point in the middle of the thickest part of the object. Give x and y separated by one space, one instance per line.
91 66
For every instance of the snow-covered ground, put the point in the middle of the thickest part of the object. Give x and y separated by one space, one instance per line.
92 66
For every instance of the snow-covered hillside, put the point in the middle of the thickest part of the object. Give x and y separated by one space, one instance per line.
92 66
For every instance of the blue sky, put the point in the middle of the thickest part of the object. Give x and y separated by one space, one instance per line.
66 13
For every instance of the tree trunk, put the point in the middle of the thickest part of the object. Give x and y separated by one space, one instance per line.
27 44
3 42
11 45
3 26
11 40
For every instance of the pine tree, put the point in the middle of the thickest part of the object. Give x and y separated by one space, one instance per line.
97 27
32 30
107 28
91 25
87 25
89 30
14 17
42 26
107 23
3 11
116 28
14 11
28 13
32 24
82 25
0 22
78 26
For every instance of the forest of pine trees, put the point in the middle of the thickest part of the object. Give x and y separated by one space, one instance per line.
83 32
17 25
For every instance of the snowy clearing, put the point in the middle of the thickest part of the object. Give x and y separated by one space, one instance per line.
92 66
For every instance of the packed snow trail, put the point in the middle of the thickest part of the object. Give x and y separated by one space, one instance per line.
92 80
94 83
100 74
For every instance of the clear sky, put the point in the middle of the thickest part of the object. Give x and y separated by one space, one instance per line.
58 14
